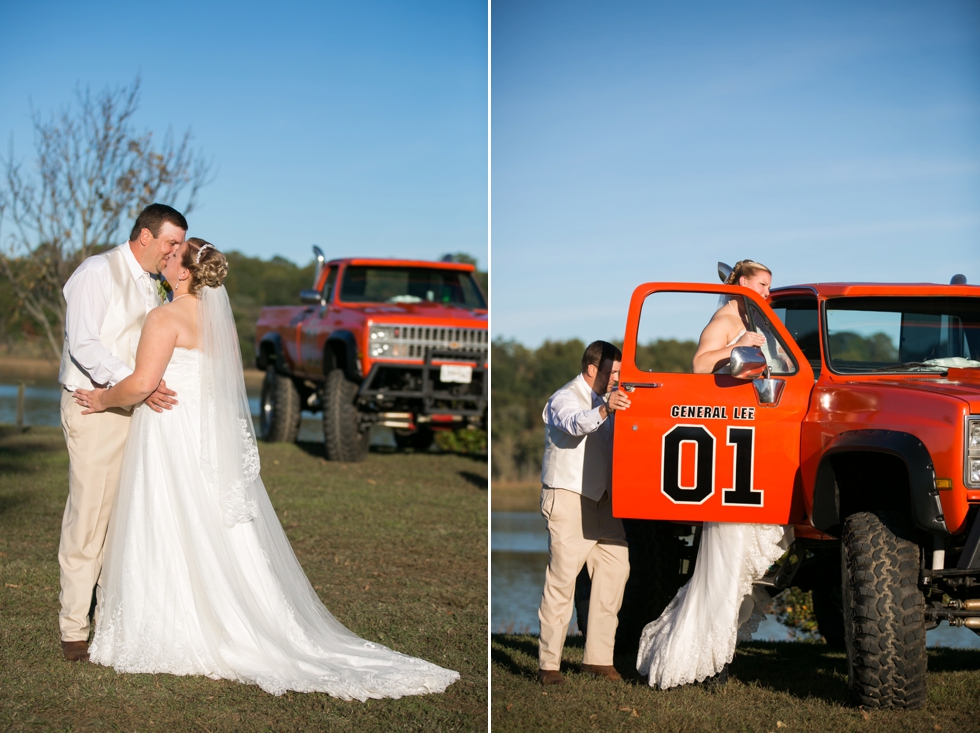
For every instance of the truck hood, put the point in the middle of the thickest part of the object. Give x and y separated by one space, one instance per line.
963 384
419 313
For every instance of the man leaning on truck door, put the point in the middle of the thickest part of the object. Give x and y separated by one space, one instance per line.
576 478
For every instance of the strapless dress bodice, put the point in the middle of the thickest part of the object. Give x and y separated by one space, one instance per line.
183 373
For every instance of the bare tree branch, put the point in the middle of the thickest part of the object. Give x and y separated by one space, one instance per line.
93 174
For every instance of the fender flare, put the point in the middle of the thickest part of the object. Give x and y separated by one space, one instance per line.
279 360
344 342
927 510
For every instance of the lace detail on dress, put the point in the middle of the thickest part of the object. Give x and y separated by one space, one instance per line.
695 636
237 506
143 652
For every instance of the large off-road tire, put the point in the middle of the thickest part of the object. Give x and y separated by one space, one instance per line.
419 441
344 441
884 611
279 408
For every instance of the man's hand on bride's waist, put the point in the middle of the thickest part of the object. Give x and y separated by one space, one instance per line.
162 399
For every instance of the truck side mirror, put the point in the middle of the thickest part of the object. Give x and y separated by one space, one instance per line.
312 296
748 362
320 261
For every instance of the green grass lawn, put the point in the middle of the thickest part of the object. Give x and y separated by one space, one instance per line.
774 686
395 546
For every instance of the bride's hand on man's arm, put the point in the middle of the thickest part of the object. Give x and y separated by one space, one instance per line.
90 399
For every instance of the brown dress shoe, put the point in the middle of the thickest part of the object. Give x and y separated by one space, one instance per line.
550 677
75 651
602 670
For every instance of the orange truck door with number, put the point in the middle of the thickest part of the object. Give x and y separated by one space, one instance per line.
701 447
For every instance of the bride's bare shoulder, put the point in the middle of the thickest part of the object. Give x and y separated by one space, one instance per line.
157 318
168 317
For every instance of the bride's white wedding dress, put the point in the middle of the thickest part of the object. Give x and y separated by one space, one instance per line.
199 577
695 636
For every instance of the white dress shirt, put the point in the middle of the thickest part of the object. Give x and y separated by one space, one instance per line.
87 294
577 441
564 411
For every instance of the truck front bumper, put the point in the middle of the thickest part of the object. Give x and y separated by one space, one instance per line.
420 386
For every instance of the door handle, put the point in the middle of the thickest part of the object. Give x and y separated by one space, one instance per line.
630 386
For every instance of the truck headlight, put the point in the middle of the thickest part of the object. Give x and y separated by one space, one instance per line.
972 450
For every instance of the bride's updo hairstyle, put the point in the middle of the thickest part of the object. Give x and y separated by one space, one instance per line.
744 268
208 267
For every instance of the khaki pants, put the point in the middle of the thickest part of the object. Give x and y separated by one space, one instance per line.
581 532
95 451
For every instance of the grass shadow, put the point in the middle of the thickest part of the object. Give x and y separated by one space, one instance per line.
944 659
12 501
478 457
505 650
315 449
18 452
480 482
795 668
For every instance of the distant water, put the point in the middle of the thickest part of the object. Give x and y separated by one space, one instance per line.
42 407
42 403
519 556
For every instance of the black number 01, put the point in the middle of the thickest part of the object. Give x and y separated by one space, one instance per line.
743 440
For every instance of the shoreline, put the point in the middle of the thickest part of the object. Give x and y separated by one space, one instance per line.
19 368
515 497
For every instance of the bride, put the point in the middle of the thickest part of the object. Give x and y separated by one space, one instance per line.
694 638
199 577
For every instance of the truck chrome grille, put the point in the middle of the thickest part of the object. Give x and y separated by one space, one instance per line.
391 341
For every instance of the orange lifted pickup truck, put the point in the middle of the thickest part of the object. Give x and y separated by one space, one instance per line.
857 422
397 343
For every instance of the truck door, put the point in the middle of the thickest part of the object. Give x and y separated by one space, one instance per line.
705 447
315 328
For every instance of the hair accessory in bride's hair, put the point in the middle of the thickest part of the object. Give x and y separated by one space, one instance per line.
208 245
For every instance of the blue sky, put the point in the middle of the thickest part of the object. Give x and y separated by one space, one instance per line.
358 126
637 142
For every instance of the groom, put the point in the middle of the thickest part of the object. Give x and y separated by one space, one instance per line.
576 481
108 297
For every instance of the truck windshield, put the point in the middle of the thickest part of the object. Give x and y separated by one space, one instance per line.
902 334
369 284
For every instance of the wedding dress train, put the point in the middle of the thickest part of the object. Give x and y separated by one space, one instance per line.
199 577
695 636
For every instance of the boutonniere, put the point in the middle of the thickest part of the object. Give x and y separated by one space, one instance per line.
164 290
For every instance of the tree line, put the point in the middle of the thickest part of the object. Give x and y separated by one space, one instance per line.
523 379
252 283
